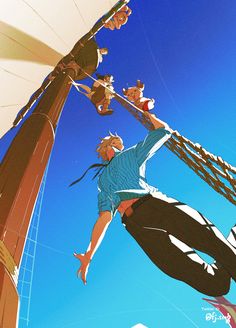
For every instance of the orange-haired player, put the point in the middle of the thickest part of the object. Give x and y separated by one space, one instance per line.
119 19
135 95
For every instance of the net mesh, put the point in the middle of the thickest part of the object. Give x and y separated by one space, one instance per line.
212 169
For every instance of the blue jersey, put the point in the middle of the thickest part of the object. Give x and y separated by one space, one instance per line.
124 177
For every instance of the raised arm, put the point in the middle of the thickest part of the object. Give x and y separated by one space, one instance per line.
98 233
157 123
154 140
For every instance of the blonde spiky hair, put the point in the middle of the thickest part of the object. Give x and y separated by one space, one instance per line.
104 144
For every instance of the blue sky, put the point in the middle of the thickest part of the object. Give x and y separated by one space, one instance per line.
184 52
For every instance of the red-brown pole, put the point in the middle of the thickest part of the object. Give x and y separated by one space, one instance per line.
22 170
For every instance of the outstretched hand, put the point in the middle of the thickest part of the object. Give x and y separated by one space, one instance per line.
83 270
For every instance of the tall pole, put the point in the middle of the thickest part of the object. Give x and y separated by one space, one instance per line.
24 164
21 174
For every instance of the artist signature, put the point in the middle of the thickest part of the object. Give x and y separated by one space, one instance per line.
214 317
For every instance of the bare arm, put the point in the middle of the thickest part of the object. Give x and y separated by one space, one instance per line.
154 140
157 123
98 233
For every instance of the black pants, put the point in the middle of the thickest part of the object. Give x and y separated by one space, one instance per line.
167 232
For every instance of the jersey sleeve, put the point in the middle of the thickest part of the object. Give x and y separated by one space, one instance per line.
104 202
149 146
